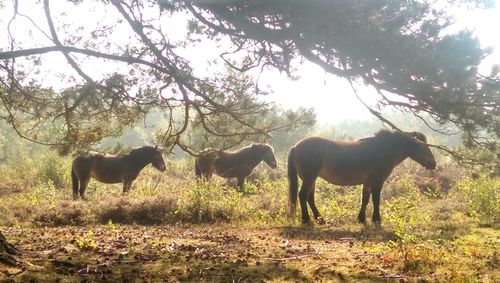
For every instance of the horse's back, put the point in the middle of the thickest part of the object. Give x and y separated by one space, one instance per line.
346 152
312 148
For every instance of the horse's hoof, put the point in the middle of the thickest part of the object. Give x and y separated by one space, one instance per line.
321 221
361 219
306 222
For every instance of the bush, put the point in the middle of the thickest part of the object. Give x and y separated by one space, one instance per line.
482 195
406 215
338 204
408 218
55 169
208 202
268 203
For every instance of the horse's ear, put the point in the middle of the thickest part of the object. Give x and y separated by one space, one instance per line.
419 136
156 147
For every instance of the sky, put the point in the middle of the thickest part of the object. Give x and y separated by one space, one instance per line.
331 97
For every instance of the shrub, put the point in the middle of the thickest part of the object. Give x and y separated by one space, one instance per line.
55 169
482 195
268 203
208 202
338 204
42 193
399 186
406 217
86 242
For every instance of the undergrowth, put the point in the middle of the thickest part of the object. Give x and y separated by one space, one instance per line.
429 229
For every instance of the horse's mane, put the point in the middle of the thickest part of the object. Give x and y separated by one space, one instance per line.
386 135
419 136
249 148
142 150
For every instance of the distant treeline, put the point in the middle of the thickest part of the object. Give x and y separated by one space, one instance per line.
144 133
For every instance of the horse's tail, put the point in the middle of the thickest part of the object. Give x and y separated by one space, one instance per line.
293 185
74 179
197 169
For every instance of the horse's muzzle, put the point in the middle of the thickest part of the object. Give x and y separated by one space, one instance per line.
431 165
162 167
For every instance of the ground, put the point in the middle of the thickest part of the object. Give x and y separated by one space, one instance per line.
226 253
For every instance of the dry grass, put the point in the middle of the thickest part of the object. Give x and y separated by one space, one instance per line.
170 226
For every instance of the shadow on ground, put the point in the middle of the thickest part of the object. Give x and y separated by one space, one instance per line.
325 232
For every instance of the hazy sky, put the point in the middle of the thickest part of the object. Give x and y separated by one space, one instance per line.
331 97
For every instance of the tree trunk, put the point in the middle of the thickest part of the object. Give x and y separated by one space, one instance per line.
7 252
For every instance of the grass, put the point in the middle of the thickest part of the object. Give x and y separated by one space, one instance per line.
170 227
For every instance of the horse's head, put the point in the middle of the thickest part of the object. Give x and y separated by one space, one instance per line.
420 151
267 152
157 160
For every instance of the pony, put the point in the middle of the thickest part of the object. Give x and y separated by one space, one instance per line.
238 164
367 162
113 169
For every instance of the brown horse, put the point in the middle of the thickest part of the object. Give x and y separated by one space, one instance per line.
368 161
113 169
238 164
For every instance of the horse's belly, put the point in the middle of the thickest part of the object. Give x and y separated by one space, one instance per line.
240 171
344 178
108 179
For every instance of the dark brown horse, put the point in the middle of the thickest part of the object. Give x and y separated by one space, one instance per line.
368 161
238 164
113 169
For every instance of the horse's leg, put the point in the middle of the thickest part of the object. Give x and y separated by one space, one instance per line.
304 193
84 181
207 176
126 186
197 170
376 189
312 204
364 202
241 182
75 184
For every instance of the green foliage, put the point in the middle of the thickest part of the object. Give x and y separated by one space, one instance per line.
54 169
111 225
408 218
405 212
338 204
42 193
208 202
86 242
482 195
406 215
268 203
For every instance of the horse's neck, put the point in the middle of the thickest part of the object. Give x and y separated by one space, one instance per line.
138 162
401 154
399 159
251 159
